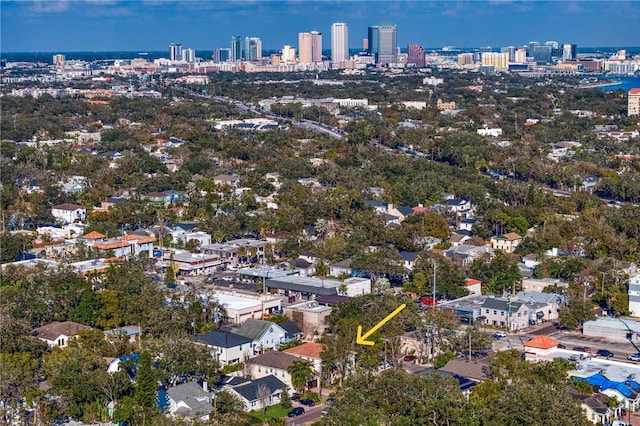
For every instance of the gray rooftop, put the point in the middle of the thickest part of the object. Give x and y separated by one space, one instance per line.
222 339
255 328
249 390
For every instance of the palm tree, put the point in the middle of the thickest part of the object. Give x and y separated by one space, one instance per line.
301 372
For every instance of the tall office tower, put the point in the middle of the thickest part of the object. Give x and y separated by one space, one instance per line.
189 55
175 51
511 51
305 48
221 54
542 53
59 59
339 42
365 44
316 47
530 47
553 44
497 60
465 59
486 49
252 49
373 36
387 44
521 55
568 52
236 48
633 102
416 55
288 55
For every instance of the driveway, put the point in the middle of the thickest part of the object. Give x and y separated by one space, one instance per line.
310 416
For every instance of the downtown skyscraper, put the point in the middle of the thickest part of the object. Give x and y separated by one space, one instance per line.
339 42
252 49
236 48
310 47
387 44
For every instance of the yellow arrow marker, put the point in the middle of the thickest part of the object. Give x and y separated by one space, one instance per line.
362 340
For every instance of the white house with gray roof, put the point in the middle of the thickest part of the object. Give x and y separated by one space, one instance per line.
263 334
250 391
190 400
227 348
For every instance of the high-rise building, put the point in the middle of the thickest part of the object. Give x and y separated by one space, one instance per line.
466 59
373 35
486 49
542 53
339 42
252 49
569 52
521 55
59 59
175 52
316 47
416 55
189 55
497 60
288 55
236 48
511 50
387 44
305 48
365 44
633 102
221 54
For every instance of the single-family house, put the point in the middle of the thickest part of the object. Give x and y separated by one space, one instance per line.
409 259
473 286
130 332
258 393
69 213
309 351
58 334
263 334
272 363
506 242
595 407
626 391
459 206
293 331
230 180
341 268
226 348
190 400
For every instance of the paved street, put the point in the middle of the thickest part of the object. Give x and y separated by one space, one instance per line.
310 416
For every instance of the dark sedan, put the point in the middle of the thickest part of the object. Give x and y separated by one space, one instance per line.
298 411
307 402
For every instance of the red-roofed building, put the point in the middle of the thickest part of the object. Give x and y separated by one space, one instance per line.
474 286
541 342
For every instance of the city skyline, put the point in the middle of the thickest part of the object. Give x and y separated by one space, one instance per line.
46 26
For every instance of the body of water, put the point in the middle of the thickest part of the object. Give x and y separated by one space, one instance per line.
626 83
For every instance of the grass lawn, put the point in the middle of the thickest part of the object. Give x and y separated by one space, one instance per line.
275 411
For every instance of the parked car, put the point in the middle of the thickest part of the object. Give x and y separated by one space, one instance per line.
561 346
324 411
307 402
295 397
409 358
582 349
634 357
499 334
298 411
604 352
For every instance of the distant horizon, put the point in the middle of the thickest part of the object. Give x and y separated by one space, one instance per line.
596 49
103 26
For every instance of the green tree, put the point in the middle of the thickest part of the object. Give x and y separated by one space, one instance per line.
285 399
144 395
301 372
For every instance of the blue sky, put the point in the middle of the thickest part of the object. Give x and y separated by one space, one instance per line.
145 25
